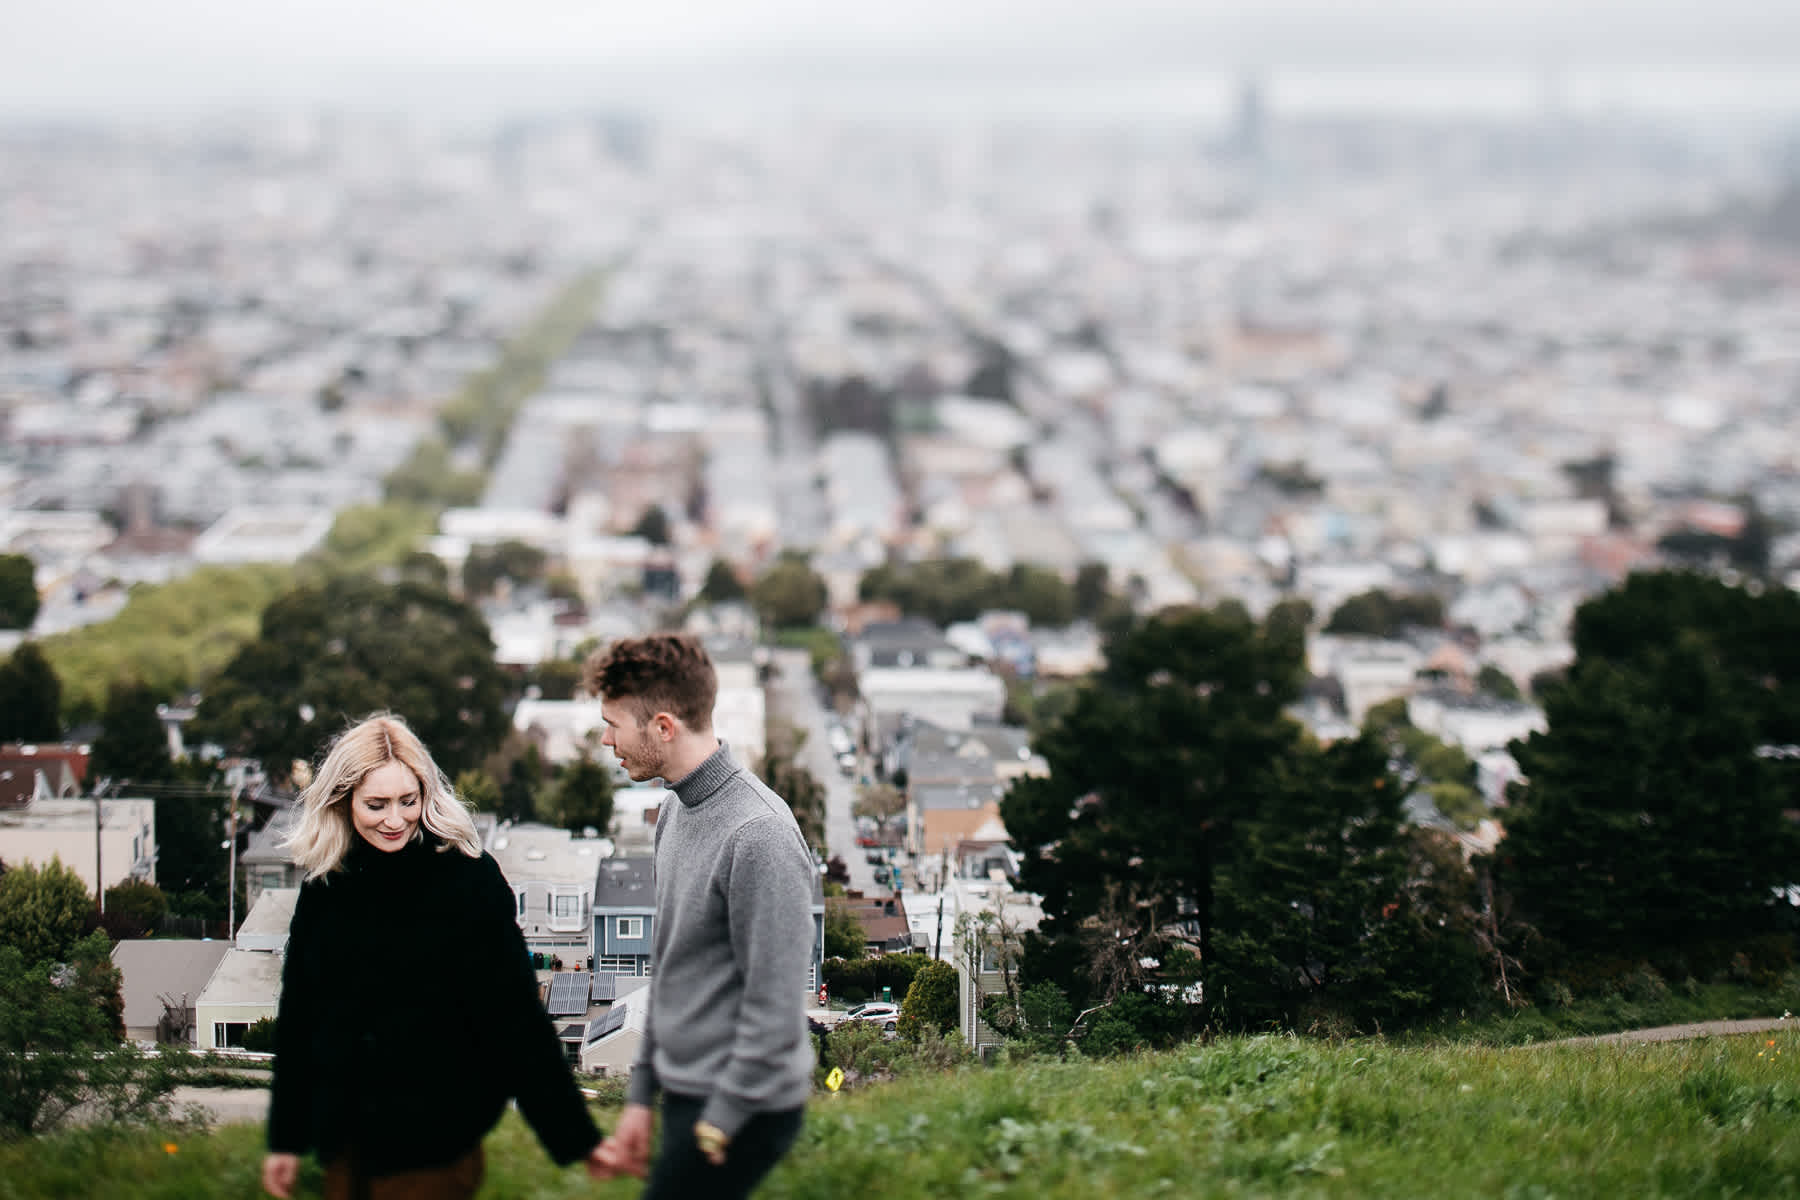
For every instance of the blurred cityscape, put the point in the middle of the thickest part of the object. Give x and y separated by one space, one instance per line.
1502 360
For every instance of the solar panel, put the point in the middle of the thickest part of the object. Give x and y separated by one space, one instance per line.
568 995
603 1025
602 989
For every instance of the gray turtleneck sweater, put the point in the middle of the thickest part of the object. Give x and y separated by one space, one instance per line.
733 935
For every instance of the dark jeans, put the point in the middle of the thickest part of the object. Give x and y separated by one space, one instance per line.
681 1172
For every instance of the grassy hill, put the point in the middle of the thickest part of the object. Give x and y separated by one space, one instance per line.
1237 1117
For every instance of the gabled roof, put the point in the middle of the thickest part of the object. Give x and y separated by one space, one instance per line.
153 967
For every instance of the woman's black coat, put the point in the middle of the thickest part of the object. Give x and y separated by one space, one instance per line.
409 1015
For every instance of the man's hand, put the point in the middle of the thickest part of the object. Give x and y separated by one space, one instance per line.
279 1173
599 1161
627 1151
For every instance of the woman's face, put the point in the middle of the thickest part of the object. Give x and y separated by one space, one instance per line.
386 806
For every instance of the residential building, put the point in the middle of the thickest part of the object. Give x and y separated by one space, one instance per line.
159 981
65 828
552 874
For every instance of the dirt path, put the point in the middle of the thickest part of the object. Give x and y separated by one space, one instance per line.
1677 1033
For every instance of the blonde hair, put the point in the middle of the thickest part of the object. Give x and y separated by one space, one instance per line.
323 837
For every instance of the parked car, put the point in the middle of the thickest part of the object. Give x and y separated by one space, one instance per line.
877 1011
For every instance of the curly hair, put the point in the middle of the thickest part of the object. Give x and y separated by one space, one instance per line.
660 672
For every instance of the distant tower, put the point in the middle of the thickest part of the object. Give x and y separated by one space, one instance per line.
1249 125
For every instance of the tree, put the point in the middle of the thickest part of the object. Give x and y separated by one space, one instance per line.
477 789
556 678
134 909
1157 758
1041 594
18 592
844 937
880 803
1649 823
653 526
43 910
56 1027
930 1006
584 796
259 1038
133 745
1091 589
30 697
1497 683
1319 927
513 560
789 594
722 585
330 654
1380 614
781 770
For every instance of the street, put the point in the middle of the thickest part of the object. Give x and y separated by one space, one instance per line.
793 697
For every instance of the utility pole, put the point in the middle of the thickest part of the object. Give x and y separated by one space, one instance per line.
99 879
231 886
939 951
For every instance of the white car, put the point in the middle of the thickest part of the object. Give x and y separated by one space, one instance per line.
881 1013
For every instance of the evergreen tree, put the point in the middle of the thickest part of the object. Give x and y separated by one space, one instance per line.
30 697
18 592
133 746
584 796
722 585
1650 821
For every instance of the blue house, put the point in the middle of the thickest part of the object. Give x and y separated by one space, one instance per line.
625 920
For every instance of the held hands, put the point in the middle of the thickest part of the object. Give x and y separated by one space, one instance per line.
279 1173
627 1151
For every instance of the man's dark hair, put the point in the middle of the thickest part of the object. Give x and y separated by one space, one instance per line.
660 672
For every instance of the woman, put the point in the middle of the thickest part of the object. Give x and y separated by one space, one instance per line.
409 1011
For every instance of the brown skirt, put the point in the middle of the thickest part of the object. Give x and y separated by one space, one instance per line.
460 1180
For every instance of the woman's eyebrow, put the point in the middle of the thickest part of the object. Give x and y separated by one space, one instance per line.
402 797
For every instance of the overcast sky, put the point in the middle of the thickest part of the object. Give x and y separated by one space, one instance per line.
98 55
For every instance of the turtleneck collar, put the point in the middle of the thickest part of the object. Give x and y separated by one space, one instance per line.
364 858
697 785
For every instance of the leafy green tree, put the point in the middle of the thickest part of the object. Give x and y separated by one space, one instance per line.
1649 821
1497 683
486 566
584 796
782 771
260 1036
331 654
653 526
524 783
789 594
192 867
56 1028
43 910
1379 613
30 697
844 937
1041 594
1166 748
477 789
134 909
18 592
556 678
1290 618
880 803
133 745
931 1003
722 585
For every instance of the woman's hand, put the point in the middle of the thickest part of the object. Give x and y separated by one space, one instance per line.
279 1173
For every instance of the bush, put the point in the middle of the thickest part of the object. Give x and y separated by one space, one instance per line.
856 980
930 1006
260 1036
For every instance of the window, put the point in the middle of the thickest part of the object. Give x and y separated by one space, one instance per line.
568 906
519 900
615 964
229 1033
629 927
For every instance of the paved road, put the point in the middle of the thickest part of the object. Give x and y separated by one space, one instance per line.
793 697
1678 1033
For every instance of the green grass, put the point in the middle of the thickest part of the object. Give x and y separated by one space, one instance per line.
1628 1008
1239 1117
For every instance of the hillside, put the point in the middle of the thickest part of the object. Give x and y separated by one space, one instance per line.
1238 1117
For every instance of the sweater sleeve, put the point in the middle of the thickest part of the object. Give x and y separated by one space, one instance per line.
291 1091
538 1073
768 898
644 1085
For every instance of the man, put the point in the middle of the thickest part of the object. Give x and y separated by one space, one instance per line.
726 1042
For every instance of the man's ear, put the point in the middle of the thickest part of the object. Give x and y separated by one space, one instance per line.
665 726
